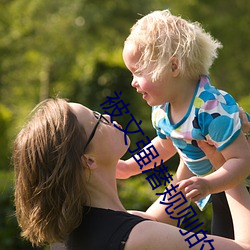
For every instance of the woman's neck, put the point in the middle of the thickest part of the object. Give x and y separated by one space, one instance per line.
102 189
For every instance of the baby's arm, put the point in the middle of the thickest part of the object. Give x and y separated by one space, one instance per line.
128 168
234 171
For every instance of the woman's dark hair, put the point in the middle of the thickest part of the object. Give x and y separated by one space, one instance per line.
49 180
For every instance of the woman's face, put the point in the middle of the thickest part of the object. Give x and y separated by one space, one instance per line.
108 141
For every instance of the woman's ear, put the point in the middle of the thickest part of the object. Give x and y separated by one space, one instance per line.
90 161
175 66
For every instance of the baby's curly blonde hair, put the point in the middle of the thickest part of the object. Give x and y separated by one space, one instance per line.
161 36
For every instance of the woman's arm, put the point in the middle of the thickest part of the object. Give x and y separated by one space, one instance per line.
160 236
239 203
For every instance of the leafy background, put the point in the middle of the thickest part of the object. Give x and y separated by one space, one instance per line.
72 48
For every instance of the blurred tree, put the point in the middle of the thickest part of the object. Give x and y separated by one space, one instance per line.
50 47
54 47
72 48
228 21
5 123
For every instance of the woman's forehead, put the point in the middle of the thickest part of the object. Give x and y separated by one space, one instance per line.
78 108
84 115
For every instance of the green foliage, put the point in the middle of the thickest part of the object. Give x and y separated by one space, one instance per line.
228 22
73 48
136 193
245 103
5 123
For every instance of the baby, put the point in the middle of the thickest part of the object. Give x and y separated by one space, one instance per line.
170 59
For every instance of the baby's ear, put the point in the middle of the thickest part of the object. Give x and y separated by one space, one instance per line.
175 66
90 161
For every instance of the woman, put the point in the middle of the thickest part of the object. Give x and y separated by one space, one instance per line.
65 187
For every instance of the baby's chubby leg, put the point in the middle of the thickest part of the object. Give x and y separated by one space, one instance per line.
157 210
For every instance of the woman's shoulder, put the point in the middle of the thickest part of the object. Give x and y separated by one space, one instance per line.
110 227
155 235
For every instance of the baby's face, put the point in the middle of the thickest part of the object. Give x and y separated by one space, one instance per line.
154 93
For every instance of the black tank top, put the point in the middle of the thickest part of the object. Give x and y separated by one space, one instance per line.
102 229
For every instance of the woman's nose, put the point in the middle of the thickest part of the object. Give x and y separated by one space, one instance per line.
107 117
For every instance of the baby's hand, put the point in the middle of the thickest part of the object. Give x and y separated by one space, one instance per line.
195 188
